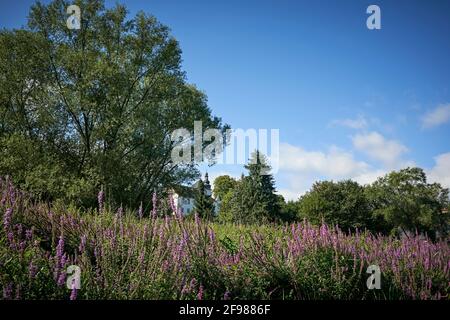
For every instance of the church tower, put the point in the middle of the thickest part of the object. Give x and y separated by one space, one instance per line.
208 191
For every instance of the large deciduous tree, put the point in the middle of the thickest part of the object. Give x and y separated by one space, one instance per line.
408 203
223 185
342 203
92 107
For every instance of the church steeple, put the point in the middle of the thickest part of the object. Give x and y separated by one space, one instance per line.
207 185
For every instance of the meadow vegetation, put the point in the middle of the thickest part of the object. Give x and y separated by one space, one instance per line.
124 256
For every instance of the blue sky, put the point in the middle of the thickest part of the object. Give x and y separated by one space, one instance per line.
349 102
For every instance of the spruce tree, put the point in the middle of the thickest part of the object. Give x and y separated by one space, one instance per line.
255 199
203 202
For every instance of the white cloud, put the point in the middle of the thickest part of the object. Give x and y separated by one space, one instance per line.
300 168
369 176
441 171
290 194
389 152
436 117
334 163
358 123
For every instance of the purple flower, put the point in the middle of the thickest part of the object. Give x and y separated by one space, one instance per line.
141 211
60 262
60 249
29 234
7 219
32 270
22 246
197 219
193 283
200 293
185 290
119 213
19 229
101 200
172 205
73 294
61 279
212 236
11 238
7 291
141 257
82 245
154 203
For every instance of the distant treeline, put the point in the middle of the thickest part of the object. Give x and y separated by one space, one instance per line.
401 202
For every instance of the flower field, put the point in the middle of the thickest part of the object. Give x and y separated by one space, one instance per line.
141 255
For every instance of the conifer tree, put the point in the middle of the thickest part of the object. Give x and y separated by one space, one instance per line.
254 199
203 202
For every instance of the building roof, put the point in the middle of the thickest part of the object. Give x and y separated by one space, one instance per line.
184 191
189 192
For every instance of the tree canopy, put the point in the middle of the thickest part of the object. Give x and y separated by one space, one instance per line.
223 185
340 203
407 202
93 107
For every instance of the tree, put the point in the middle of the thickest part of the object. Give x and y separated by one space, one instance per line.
289 211
340 203
223 185
203 205
93 107
406 202
225 208
254 198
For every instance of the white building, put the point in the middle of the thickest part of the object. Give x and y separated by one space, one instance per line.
184 197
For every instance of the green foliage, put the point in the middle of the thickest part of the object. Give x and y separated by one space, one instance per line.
223 185
82 109
225 208
401 201
288 210
406 202
254 198
126 257
204 205
340 203
229 245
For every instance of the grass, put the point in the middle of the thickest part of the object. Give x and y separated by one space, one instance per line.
122 256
